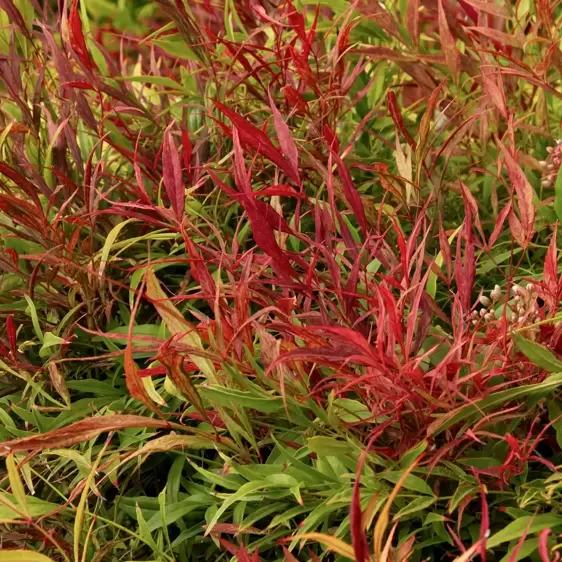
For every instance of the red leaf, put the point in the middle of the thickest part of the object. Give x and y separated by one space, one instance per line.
397 118
523 189
448 44
261 229
258 140
286 141
171 168
294 99
12 338
350 192
77 41
331 138
80 431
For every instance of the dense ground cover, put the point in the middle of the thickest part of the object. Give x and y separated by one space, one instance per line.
280 282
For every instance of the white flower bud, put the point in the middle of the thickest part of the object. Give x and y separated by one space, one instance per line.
496 293
488 317
484 300
482 312
530 287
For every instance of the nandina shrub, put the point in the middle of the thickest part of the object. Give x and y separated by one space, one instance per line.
280 256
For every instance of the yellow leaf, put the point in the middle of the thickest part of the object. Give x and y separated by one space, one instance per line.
177 324
22 556
17 485
334 544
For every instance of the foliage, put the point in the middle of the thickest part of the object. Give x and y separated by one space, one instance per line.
280 282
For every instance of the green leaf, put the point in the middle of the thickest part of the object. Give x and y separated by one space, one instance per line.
410 456
558 195
516 528
229 397
328 446
412 482
176 48
538 354
527 548
35 506
418 504
144 530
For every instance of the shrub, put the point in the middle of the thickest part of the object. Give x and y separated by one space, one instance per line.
276 275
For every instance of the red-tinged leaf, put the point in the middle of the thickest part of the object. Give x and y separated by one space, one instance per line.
286 141
448 44
469 10
428 115
174 364
498 36
350 192
543 545
358 535
81 431
465 268
413 20
523 189
173 180
516 229
499 225
198 267
493 86
488 7
255 138
20 181
288 556
77 40
241 553
14 16
134 382
12 337
471 206
261 229
397 118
